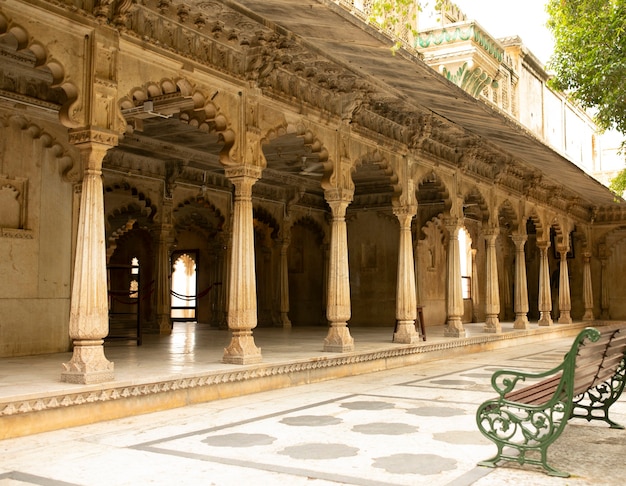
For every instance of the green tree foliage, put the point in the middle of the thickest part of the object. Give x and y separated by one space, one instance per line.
398 15
589 60
590 55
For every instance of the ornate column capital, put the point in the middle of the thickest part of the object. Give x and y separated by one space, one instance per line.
519 241
405 215
543 245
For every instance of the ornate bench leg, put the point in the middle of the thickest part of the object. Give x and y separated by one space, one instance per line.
551 471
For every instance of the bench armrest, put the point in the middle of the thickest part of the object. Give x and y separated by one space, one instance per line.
505 381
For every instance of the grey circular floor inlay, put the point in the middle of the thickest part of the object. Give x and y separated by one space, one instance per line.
461 437
385 428
319 451
453 382
424 464
311 420
477 375
239 440
367 405
436 411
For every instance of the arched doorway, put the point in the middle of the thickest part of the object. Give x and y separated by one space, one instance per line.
184 285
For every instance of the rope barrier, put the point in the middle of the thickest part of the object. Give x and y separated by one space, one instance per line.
194 297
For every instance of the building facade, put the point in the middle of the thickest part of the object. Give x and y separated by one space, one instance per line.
247 163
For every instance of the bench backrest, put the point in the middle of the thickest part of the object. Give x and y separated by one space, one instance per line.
598 361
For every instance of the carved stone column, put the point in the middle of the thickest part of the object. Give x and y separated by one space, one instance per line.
521 285
406 304
163 236
545 297
605 300
227 244
454 324
89 312
242 305
338 309
492 292
587 287
565 300
475 287
284 284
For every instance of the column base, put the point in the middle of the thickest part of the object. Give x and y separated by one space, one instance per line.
164 322
339 339
565 318
545 319
454 328
88 364
521 322
285 323
406 333
492 324
588 315
242 349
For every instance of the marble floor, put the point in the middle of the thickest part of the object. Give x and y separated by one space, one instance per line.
413 425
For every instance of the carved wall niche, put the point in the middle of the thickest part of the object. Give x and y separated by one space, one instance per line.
13 207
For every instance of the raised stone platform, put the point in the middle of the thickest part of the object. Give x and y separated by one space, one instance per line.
186 368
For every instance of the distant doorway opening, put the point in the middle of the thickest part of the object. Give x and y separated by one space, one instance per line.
184 286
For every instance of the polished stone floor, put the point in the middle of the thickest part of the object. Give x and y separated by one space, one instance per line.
407 426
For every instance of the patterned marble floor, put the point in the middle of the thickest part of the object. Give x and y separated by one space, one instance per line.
407 426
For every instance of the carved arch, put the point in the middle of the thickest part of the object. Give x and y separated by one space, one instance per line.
310 223
264 217
507 216
475 207
67 160
200 213
374 165
46 83
167 97
121 217
433 198
537 222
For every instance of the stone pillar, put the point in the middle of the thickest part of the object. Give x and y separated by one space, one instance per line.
454 325
545 297
565 300
605 300
492 292
225 273
89 311
475 287
417 271
406 304
338 309
284 284
521 285
587 287
242 305
163 283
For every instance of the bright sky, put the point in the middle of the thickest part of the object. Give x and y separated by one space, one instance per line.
502 18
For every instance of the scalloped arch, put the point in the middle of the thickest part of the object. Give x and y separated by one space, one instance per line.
201 202
203 113
507 212
16 37
310 223
537 222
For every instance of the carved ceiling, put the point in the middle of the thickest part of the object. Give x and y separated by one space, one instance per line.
316 55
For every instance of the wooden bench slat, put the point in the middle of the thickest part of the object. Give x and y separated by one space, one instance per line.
535 392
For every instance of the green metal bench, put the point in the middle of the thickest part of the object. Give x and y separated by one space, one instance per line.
585 385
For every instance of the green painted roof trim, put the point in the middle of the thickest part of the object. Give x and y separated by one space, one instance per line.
460 34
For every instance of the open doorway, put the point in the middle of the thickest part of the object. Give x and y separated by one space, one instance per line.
184 285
